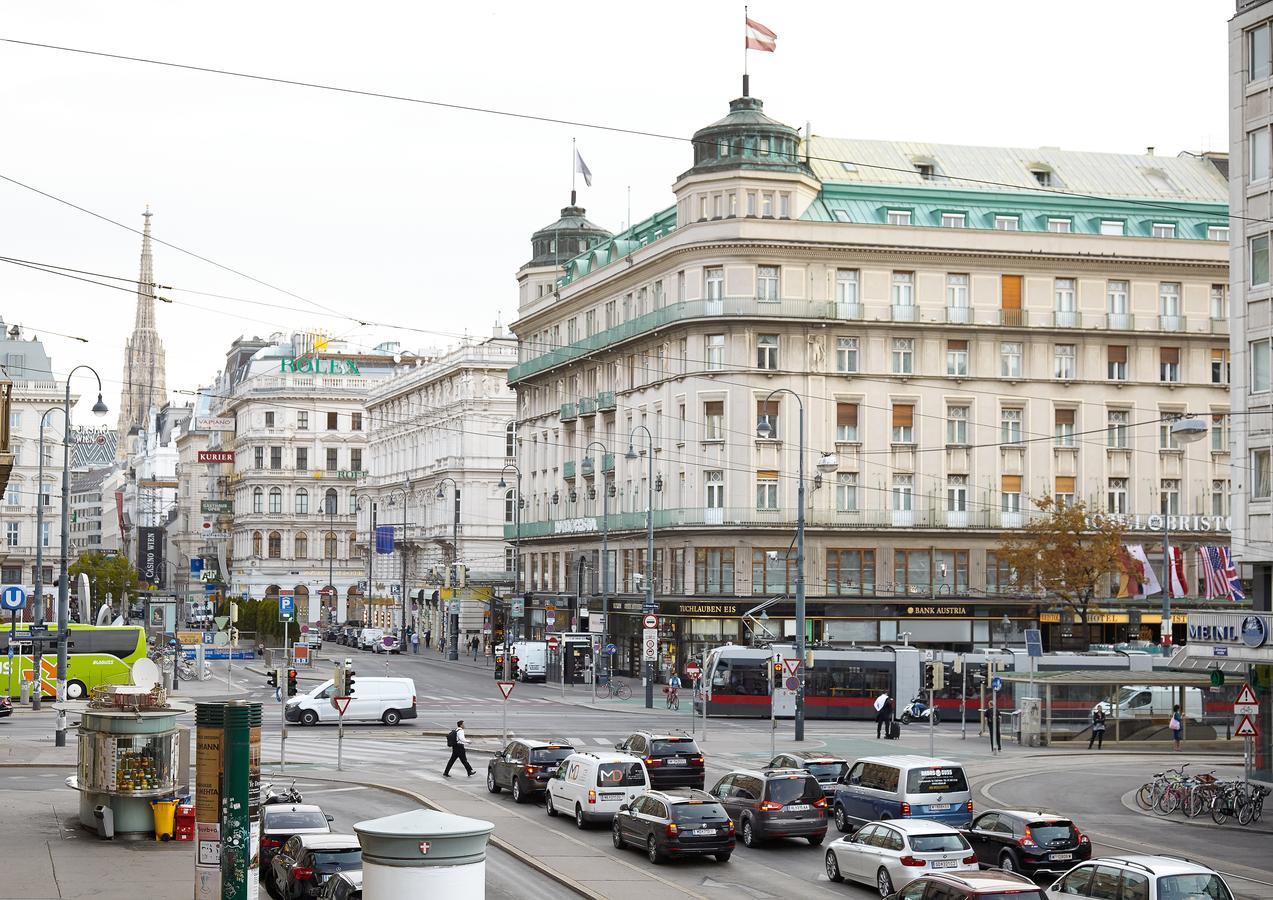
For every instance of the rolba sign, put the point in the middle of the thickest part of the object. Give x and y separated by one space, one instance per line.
310 366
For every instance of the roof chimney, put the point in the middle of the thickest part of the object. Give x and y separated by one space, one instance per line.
1149 151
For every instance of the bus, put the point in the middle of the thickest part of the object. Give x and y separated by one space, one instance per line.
96 655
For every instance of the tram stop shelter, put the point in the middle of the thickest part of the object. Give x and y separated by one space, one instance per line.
1138 704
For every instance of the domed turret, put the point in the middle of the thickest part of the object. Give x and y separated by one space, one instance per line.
570 235
747 139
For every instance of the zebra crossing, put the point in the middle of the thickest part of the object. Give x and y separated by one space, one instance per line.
319 750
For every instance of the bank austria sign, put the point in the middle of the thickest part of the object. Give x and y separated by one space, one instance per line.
574 526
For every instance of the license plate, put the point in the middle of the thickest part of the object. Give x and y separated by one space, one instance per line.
799 807
1060 856
677 761
611 796
944 864
938 807
703 832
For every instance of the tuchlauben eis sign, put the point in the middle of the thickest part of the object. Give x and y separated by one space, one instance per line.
310 366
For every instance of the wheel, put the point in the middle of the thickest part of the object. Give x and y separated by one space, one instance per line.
749 834
841 820
616 835
309 717
833 867
580 822
621 691
652 851
76 690
491 784
1246 813
1168 802
1218 811
1145 796
815 840
1008 862
1194 804
906 718
723 857
519 796
548 804
936 716
391 717
883 883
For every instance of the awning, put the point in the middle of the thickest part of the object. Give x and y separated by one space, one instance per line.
1201 658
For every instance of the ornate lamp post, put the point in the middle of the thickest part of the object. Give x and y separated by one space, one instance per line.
453 619
517 563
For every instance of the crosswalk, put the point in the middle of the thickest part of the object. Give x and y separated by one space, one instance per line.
320 749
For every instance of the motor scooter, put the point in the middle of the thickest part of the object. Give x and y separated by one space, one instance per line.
918 711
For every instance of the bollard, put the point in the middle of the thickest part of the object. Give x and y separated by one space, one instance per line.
24 691
423 854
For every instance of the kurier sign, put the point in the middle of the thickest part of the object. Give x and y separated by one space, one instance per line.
216 456
312 366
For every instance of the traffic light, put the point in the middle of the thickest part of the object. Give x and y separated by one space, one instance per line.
930 676
349 681
513 671
338 681
939 675
272 678
291 682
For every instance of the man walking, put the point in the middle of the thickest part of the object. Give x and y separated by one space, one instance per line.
476 644
457 741
415 642
883 714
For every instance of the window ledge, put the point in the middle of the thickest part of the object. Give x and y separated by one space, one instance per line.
903 445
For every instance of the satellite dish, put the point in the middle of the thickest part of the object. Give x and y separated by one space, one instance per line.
145 674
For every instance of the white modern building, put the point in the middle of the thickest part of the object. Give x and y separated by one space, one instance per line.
150 490
95 509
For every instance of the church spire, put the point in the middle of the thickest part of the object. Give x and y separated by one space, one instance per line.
145 386
145 318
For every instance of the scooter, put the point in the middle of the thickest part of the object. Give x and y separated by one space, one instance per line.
288 795
918 711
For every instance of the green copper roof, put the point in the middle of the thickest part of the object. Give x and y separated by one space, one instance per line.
639 235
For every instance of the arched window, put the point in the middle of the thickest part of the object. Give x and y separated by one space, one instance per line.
276 545
510 504
302 502
276 500
510 440
329 502
353 539
256 543
302 546
258 500
329 545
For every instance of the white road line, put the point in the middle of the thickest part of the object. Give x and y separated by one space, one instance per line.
576 742
602 741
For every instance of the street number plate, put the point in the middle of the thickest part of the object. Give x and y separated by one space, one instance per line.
1060 856
677 761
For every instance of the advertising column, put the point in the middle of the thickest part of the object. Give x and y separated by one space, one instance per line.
209 737
240 799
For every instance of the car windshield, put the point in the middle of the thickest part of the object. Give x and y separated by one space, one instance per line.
289 820
827 771
793 788
621 774
548 755
1195 886
936 780
331 860
1045 833
673 747
938 843
698 812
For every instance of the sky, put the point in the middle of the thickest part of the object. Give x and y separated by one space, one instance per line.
344 208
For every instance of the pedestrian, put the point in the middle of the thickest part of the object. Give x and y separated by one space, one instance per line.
415 641
1098 729
457 742
883 714
475 645
1177 726
428 638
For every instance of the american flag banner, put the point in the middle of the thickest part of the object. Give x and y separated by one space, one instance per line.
1220 574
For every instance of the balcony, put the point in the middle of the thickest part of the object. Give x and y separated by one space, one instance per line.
905 313
850 312
1118 321
587 406
586 467
568 469
569 412
1171 323
607 462
605 401
959 315
1013 318
1219 326
1065 319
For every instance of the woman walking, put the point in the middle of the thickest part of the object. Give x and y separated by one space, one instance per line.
1177 726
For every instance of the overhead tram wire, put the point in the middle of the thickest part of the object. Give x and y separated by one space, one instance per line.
574 123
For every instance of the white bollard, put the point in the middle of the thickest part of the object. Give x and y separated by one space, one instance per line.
423 854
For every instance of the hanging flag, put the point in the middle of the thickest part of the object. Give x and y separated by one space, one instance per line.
760 38
582 168
384 538
1136 576
1231 575
1176 568
1220 574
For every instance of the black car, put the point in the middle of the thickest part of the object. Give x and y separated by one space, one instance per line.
1027 841
279 822
774 803
6 707
672 760
306 861
345 886
524 767
668 824
827 768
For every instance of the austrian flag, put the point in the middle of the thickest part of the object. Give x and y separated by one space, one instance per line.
760 38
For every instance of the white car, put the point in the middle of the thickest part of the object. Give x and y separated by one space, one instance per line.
892 854
1141 877
592 786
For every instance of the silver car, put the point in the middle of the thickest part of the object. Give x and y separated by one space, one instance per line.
892 854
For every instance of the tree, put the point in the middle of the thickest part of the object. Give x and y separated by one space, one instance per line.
112 575
1065 554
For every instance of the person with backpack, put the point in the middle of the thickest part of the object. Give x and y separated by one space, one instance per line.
456 740
883 715
1177 726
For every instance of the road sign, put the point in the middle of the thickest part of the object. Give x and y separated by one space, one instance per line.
611 649
13 597
792 683
1033 642
221 622
1246 704
1246 728
649 645
453 607
650 621
793 665
505 687
341 704
692 669
286 608
996 683
552 643
519 607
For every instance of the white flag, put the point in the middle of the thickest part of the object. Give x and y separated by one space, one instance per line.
1149 583
582 168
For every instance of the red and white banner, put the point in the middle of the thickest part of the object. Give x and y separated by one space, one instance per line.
1179 587
760 38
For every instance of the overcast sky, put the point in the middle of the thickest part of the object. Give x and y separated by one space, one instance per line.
419 217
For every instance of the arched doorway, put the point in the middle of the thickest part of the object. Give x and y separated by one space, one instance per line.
302 604
353 605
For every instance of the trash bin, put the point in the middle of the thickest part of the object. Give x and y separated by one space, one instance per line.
165 818
105 817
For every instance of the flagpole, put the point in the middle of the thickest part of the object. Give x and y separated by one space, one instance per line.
746 86
573 167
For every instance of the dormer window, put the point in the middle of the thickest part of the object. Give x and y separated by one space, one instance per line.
899 217
953 220
926 170
1042 176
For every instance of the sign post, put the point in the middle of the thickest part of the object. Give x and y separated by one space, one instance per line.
341 705
12 598
505 688
1246 709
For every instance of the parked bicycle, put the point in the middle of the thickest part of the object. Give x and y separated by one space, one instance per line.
617 689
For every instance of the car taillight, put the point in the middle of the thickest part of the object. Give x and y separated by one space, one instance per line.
413 699
696 760
769 806
531 770
592 796
302 873
267 843
912 861
731 826
652 761
1081 837
671 829
906 809
1028 839
970 860
969 805
820 803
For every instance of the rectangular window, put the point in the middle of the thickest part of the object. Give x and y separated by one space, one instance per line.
957 493
957 425
767 352
1007 223
714 420
768 411
1220 432
1169 364
1217 233
1169 299
276 458
1167 440
957 358
846 422
269 420
714 570
772 571
1219 366
1260 485
1116 362
846 285
1064 291
846 492
1220 498
903 423
714 480
1063 490
767 283
332 421
952 220
903 288
1116 423
355 459
1163 230
714 281
846 355
899 217
1010 418
1000 578
1116 304
766 490
302 420
851 572
332 462
1063 429
11 534
1259 260
1010 493
1259 54
302 459
1060 226
1258 148
1010 359
1065 362
258 457
1112 227
903 493
1220 302
1261 365
957 291
903 356
1169 497
715 352
751 203
355 421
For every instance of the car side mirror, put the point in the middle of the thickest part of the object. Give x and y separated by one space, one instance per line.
624 807
329 818
619 747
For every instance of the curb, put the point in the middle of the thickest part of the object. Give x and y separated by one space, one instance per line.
1129 801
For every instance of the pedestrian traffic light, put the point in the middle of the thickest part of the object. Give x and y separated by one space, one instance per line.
349 682
291 682
272 678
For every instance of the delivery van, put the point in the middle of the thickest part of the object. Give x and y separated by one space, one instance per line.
532 660
387 700
1138 701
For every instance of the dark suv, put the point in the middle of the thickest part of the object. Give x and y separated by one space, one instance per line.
992 885
675 823
672 760
524 767
827 768
774 803
1028 842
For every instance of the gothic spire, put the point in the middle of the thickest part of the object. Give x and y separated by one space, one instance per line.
145 318
144 378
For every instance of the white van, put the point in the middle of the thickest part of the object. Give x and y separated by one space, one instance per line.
369 637
592 786
388 700
1137 701
532 660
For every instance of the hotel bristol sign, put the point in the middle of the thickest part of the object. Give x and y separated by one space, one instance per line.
1174 524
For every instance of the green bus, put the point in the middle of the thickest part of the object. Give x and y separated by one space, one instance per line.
95 655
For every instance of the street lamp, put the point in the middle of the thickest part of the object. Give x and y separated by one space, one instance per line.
605 571
649 606
517 564
826 463
1186 430
38 612
405 492
359 501
63 594
453 619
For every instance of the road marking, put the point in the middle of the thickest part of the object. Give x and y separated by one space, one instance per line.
361 787
576 742
601 740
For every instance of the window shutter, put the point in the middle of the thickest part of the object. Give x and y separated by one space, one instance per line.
846 415
1065 417
1117 353
1169 355
1011 484
763 474
1011 291
1065 484
1217 355
769 409
903 415
957 345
